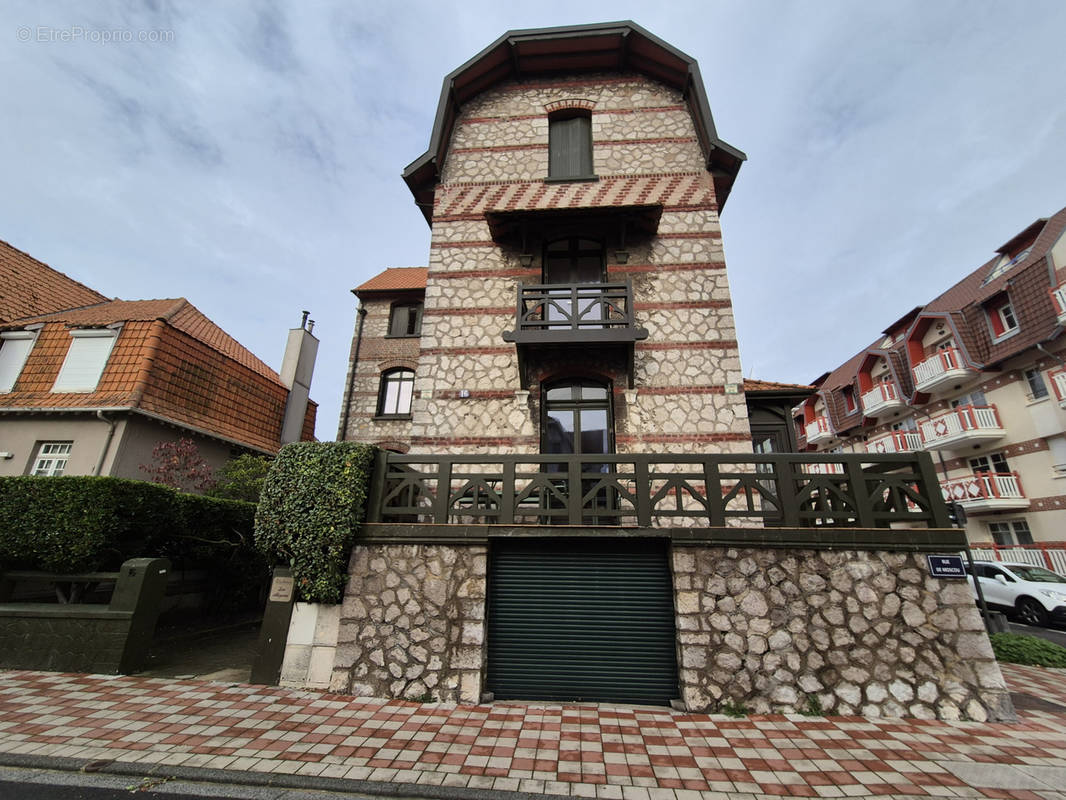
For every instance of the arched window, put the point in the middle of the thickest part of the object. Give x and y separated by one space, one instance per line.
570 145
395 393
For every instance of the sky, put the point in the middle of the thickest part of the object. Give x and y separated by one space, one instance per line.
248 156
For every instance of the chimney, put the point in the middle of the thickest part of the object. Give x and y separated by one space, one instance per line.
296 369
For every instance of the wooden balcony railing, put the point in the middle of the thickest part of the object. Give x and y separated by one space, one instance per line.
575 314
796 490
983 487
882 395
943 365
963 424
895 442
818 430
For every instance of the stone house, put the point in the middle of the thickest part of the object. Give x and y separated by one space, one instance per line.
977 377
569 504
90 385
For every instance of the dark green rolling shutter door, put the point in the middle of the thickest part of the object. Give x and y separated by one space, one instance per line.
581 619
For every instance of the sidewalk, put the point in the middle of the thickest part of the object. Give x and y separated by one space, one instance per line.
252 733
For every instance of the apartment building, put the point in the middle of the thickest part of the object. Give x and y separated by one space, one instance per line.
977 377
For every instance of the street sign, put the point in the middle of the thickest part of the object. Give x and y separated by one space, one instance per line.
946 566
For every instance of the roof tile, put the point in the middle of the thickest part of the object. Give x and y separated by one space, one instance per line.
395 279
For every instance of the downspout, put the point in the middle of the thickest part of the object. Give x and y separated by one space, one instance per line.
342 434
107 442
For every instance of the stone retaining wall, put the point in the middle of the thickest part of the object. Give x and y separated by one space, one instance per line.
412 623
848 632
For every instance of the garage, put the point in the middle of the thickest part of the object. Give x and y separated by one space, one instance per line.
581 619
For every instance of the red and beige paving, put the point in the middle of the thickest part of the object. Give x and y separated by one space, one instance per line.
565 749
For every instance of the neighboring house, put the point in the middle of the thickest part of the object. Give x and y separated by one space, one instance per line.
89 386
978 378
569 506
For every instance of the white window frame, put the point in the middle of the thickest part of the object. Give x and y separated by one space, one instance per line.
1031 377
1009 529
81 371
14 360
51 459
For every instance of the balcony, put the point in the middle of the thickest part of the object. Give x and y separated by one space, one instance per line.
940 369
895 442
1058 297
883 397
961 426
552 316
986 491
818 431
420 497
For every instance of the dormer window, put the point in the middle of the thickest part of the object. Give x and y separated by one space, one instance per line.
15 348
849 399
405 319
570 145
86 358
1001 318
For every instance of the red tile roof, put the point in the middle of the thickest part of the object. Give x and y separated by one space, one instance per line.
755 385
395 279
29 286
177 312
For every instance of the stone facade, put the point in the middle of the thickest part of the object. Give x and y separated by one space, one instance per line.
412 623
847 632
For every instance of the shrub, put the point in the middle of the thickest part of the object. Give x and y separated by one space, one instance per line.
1016 648
241 478
179 465
310 509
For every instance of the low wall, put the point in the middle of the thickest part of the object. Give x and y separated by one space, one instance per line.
412 622
846 631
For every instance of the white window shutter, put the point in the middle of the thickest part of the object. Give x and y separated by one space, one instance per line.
85 361
15 348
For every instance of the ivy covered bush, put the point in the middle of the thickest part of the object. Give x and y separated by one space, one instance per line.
309 511
1018 648
84 524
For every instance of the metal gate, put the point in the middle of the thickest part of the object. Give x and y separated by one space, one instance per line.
581 619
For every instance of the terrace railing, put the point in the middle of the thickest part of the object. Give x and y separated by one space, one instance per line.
799 490
574 314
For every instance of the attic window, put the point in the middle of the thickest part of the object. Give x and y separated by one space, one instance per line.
85 361
570 145
1001 318
15 348
849 399
1006 263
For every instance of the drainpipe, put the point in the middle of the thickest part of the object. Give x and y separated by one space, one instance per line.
107 442
342 434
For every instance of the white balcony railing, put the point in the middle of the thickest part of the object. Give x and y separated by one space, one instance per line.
1058 295
895 442
880 398
940 368
986 491
961 426
818 431
826 469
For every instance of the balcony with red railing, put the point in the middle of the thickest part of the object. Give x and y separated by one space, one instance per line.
986 491
818 431
881 398
961 426
941 368
895 442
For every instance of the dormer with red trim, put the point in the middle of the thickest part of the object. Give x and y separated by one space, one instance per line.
936 353
1001 317
880 392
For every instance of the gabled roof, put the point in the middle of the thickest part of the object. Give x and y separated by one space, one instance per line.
756 385
599 47
29 286
178 312
395 279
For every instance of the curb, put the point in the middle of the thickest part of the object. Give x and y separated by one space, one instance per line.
267 779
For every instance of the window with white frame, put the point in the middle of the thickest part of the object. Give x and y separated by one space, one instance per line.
1037 387
51 458
1015 531
395 393
15 348
1002 318
86 359
993 462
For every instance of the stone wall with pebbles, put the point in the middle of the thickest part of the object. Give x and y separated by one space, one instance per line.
412 623
848 632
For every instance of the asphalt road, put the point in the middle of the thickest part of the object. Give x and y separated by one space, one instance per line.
1056 635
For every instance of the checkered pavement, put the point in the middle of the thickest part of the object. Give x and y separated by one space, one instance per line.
625 752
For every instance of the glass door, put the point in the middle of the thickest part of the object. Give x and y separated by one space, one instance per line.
573 261
576 420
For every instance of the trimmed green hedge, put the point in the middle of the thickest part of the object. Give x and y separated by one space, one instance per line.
310 509
1017 648
85 524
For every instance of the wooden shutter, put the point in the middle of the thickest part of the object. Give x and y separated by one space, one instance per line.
570 148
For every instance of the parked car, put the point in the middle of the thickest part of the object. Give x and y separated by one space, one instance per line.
1034 594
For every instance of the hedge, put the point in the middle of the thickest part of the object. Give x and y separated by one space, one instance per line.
1018 648
310 509
85 524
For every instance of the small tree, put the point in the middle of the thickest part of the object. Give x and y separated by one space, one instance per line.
180 466
241 478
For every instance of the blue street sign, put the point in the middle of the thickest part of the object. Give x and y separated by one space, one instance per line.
946 566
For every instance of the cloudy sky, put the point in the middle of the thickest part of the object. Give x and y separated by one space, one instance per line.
247 156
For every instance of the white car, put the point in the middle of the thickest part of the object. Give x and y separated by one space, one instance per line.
1036 595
